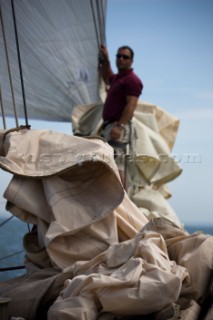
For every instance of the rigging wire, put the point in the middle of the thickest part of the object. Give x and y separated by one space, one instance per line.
100 36
11 255
15 253
19 61
14 267
2 110
6 220
8 67
95 24
101 20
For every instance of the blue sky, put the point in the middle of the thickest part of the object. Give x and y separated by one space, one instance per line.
173 45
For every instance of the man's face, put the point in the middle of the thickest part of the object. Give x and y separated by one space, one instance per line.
123 59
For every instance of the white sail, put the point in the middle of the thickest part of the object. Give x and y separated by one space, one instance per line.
59 45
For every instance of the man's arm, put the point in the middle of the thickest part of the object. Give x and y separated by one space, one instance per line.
104 65
127 114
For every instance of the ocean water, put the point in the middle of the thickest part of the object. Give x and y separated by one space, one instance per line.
204 229
11 249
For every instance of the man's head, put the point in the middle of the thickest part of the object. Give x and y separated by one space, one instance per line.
124 58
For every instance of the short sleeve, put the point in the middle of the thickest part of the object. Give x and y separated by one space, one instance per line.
133 87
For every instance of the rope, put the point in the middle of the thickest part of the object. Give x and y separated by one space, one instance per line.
2 110
100 37
12 268
8 67
19 61
5 221
95 25
101 20
11 255
16 129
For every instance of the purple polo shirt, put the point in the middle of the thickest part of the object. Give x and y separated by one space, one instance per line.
121 85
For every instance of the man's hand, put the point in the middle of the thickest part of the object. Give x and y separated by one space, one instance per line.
104 53
116 132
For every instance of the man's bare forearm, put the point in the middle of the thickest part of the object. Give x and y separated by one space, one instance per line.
106 71
128 111
104 66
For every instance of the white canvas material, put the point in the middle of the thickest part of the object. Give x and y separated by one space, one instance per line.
59 43
150 164
106 259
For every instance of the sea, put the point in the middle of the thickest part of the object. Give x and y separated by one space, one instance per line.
11 249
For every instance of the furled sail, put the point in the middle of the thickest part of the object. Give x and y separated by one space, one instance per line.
59 45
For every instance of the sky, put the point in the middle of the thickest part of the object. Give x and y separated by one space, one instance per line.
173 45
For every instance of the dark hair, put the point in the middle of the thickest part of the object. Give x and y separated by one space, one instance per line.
130 49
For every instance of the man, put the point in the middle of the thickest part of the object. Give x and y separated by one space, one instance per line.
125 88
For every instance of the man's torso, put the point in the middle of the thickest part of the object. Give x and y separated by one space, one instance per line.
121 86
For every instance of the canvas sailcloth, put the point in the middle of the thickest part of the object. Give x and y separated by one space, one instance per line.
59 46
94 254
149 161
